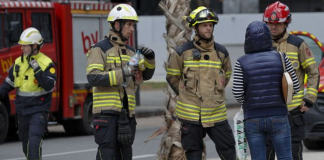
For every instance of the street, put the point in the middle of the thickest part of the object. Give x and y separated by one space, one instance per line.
60 146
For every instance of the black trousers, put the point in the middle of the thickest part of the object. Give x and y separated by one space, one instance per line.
31 129
106 137
297 130
221 134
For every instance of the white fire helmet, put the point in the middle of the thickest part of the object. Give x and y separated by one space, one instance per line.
30 36
122 12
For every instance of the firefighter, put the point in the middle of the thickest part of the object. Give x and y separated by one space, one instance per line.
114 82
33 76
277 16
198 73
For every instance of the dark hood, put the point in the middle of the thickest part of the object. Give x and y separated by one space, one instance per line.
257 38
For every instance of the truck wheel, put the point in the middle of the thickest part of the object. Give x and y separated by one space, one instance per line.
316 145
84 125
4 123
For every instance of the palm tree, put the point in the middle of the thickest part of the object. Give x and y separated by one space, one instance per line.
177 34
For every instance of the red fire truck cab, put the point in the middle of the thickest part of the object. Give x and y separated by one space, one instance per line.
68 29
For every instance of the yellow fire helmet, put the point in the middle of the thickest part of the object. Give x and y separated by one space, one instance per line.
122 12
201 15
30 36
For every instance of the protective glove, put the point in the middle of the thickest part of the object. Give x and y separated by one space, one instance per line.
125 136
147 53
128 71
34 64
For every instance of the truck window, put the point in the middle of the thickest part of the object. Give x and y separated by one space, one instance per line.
2 37
43 22
15 24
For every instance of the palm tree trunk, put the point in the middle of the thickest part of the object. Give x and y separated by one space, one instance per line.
177 34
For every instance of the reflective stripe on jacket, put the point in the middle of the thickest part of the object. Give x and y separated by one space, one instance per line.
303 61
200 82
104 72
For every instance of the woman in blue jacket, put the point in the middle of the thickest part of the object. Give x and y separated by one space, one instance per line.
257 85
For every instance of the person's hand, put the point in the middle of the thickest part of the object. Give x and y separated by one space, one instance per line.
128 71
33 64
147 53
124 131
303 108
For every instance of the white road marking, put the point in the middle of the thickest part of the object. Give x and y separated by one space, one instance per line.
144 156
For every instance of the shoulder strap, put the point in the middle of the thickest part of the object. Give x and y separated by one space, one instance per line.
217 53
283 62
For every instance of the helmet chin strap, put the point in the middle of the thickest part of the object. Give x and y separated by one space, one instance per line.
121 26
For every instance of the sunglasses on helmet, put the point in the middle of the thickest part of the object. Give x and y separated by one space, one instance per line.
206 14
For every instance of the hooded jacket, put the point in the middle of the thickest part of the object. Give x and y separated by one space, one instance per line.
258 75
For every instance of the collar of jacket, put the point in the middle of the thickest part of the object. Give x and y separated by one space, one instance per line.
35 56
115 39
203 46
284 38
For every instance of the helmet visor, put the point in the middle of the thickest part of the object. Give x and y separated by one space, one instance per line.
207 14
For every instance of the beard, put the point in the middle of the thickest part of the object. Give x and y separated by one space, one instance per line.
207 36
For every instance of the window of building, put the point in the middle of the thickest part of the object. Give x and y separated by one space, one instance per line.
43 22
151 7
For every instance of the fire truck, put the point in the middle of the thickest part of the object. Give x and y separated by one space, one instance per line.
314 118
68 29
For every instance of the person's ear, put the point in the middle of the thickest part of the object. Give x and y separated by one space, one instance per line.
286 25
116 25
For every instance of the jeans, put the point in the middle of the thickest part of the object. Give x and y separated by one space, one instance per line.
278 130
297 130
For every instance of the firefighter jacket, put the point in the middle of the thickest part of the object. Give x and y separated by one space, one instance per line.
33 87
198 74
303 62
105 74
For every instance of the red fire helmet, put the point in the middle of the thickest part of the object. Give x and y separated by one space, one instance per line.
277 13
